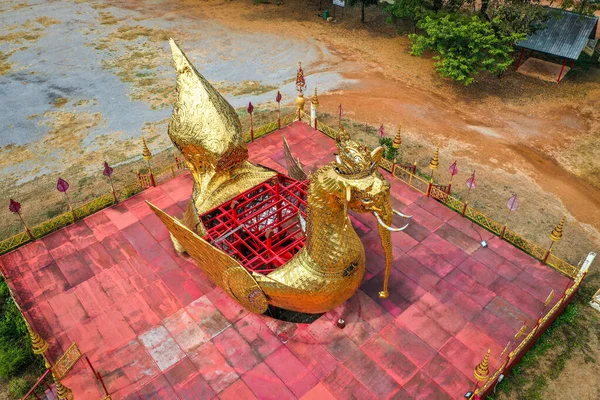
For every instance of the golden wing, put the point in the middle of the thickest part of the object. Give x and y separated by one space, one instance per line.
223 270
294 167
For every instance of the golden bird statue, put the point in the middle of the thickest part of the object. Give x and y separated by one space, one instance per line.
328 265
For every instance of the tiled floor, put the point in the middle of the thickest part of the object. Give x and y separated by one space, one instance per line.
156 328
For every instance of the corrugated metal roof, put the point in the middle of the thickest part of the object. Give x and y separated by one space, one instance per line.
565 35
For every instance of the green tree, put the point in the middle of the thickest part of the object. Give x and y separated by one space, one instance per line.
465 45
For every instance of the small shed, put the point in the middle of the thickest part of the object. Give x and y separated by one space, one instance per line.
564 36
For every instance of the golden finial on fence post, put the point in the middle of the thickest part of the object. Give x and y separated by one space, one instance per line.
555 236
63 392
300 86
434 163
481 372
396 143
314 107
148 156
38 344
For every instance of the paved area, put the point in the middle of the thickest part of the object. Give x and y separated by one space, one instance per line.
156 328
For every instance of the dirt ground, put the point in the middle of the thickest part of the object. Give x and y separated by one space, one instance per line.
521 135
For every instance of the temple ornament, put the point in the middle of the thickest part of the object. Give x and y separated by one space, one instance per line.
242 215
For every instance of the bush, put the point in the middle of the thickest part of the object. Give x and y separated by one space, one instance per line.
18 387
15 346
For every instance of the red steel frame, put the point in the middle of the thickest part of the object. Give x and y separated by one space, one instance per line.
260 228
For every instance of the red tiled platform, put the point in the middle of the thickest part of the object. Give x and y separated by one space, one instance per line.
156 327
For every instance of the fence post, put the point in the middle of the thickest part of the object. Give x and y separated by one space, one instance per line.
63 186
148 156
464 210
15 207
429 187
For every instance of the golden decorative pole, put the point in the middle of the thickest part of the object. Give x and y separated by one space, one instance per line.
434 163
62 186
63 392
482 370
314 107
148 156
108 171
555 236
38 344
300 87
396 143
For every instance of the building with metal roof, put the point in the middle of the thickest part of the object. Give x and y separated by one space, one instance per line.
565 35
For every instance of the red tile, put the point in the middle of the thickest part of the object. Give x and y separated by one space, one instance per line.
265 384
154 225
424 327
371 375
438 209
114 329
489 258
137 313
208 317
521 299
454 382
258 335
433 262
470 229
534 286
312 354
68 309
139 237
459 355
159 260
458 238
291 371
100 225
494 326
319 392
181 286
187 382
456 299
186 332
93 299
35 254
118 247
97 257
74 269
510 314
479 272
414 229
470 287
13 261
80 235
343 385
137 272
444 315
162 347
451 253
238 390
423 217
369 310
213 367
422 387
414 270
388 357
226 305
414 348
59 244
158 388
332 339
120 216
236 350
474 338
115 285
49 279
403 241
86 335
160 300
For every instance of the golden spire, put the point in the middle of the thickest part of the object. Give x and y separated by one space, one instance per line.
435 161
146 151
557 232
201 117
63 392
38 344
397 139
315 98
482 370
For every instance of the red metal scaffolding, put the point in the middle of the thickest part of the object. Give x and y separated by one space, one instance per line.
260 228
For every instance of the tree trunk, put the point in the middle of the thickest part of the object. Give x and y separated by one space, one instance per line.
484 6
437 5
362 12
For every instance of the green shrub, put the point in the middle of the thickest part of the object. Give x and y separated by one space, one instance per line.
18 387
